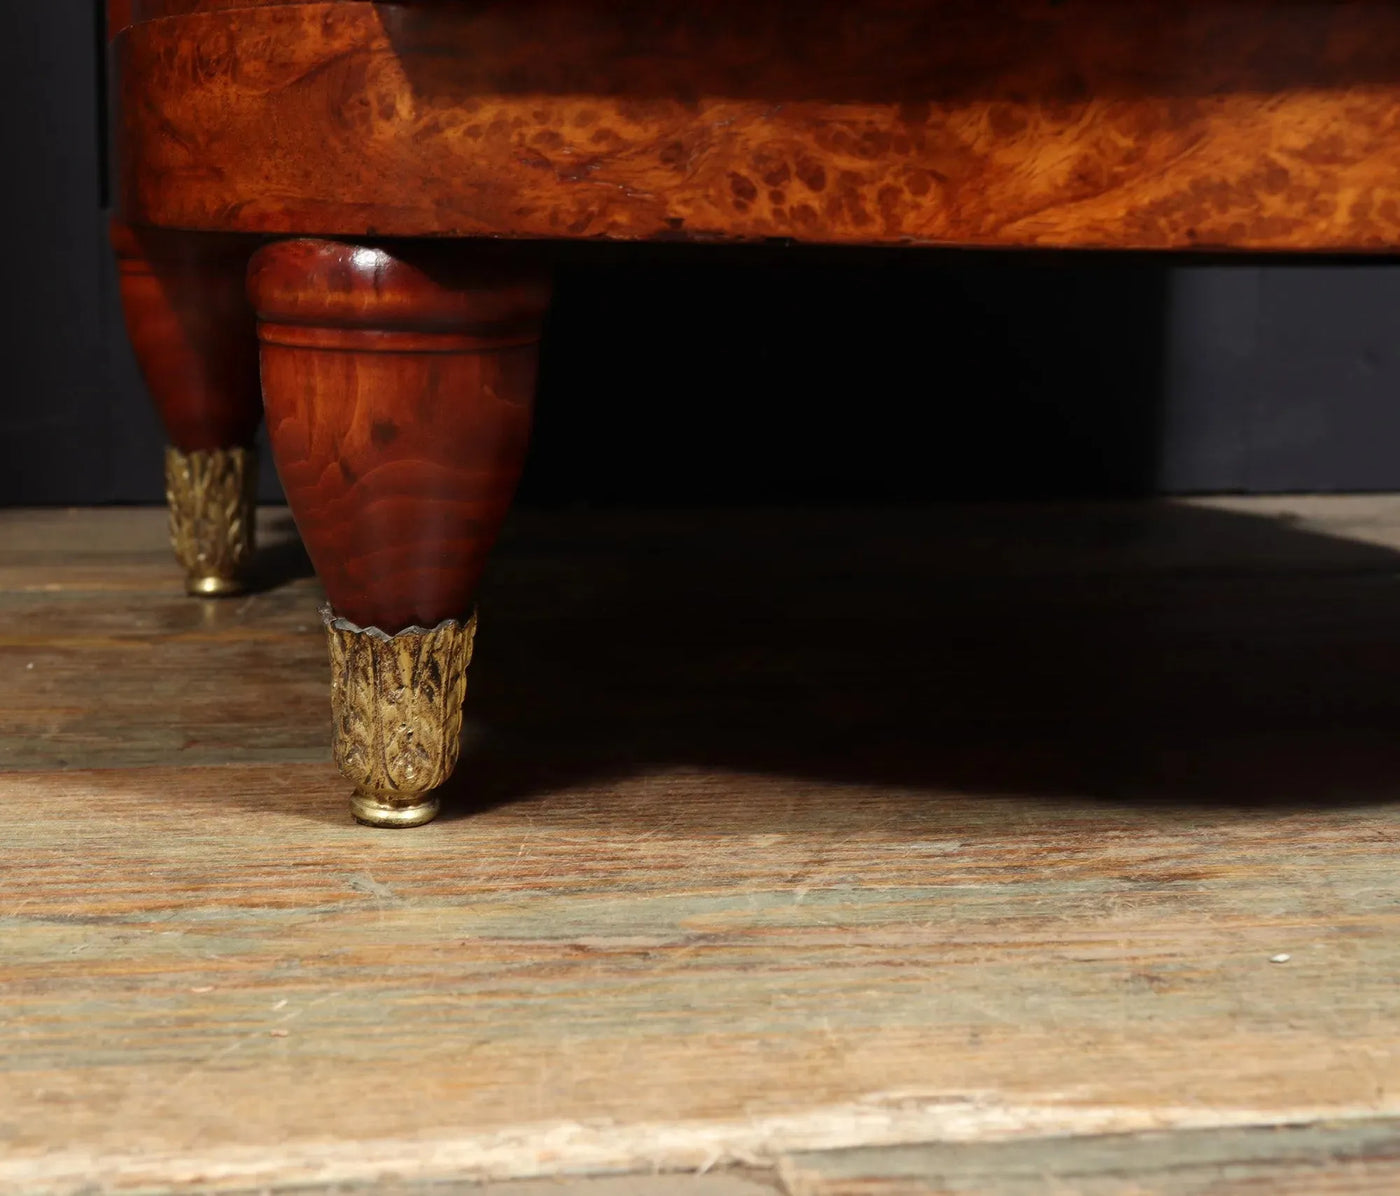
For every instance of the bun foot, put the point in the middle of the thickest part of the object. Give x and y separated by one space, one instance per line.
396 703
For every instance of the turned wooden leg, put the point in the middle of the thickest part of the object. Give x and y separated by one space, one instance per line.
398 384
188 317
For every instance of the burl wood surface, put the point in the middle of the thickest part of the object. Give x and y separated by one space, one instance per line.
951 839
1155 124
191 327
399 386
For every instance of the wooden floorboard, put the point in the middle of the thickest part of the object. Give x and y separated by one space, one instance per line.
1355 1158
844 852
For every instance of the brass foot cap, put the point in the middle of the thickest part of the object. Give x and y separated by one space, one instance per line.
372 811
213 587
212 497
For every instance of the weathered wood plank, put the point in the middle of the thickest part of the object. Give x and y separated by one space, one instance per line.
50 550
898 829
1286 533
1317 1160
106 662
735 1182
211 973
916 639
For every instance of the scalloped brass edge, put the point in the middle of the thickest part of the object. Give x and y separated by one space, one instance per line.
396 703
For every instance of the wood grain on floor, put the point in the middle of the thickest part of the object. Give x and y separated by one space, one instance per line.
838 846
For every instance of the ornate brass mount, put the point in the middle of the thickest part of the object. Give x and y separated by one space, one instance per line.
212 498
396 701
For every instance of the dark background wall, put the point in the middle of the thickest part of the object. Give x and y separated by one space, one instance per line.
694 375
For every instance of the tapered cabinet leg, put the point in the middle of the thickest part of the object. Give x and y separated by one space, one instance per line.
398 385
188 317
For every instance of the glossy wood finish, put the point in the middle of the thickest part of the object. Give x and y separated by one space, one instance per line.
1156 123
399 384
122 13
119 16
192 330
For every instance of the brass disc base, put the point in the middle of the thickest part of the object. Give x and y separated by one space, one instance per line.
370 810
212 498
213 587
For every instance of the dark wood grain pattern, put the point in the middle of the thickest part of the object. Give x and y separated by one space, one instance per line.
1160 123
399 386
192 329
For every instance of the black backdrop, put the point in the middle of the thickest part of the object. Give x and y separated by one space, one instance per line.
696 375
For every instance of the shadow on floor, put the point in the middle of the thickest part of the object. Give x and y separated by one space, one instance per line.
281 557
1171 655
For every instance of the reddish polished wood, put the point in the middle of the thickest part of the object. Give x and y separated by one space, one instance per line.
399 384
119 15
1132 123
192 329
